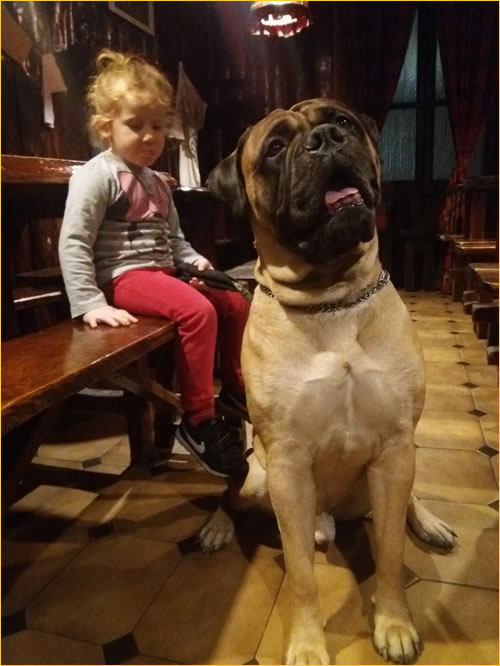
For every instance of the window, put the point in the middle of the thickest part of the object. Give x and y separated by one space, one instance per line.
398 136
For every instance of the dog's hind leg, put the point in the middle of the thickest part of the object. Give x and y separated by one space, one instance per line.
218 530
324 530
242 492
428 527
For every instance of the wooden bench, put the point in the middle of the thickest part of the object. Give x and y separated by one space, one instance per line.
473 238
483 305
466 251
481 284
41 370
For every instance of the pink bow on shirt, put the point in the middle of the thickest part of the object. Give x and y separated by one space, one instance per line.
142 204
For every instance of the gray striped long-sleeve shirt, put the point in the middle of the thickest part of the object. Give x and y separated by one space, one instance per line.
115 221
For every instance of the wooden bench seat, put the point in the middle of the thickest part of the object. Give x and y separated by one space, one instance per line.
41 370
483 305
466 251
485 322
481 246
481 284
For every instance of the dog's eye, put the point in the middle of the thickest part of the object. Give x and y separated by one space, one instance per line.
343 121
275 147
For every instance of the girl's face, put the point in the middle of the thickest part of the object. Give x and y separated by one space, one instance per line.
137 133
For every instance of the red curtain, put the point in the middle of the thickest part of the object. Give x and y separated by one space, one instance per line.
468 38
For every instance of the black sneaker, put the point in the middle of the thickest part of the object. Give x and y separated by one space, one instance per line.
231 403
211 443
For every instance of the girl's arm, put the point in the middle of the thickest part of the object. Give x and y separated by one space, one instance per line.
182 250
88 197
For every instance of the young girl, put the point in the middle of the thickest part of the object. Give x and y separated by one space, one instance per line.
120 241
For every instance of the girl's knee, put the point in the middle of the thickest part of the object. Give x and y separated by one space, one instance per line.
240 306
205 315
233 305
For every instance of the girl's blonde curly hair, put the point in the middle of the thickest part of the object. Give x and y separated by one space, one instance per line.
120 74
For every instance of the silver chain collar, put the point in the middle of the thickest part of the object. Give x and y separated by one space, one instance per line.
383 279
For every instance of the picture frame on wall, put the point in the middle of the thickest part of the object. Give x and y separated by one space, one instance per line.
141 14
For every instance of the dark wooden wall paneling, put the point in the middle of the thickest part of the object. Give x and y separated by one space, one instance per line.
241 78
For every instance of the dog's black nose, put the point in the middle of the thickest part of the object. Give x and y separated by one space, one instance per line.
324 138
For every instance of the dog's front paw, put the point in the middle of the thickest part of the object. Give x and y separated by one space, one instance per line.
396 640
309 652
217 531
306 642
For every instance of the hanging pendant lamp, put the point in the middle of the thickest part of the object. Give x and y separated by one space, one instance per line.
279 19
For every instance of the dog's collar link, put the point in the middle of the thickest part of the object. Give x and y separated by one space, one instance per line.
383 279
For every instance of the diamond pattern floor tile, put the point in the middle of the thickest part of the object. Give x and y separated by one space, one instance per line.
449 430
486 399
103 593
474 561
32 556
456 476
232 598
448 398
446 373
459 624
489 425
483 375
35 647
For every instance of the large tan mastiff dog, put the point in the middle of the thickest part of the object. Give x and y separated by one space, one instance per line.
332 366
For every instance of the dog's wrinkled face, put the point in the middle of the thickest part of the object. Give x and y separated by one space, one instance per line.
312 173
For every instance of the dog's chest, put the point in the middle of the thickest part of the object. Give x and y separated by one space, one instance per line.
348 400
323 385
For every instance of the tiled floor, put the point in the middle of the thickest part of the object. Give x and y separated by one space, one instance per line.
100 562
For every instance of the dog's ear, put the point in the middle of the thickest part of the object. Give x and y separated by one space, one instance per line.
225 181
371 127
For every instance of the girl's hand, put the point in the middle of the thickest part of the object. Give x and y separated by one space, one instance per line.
108 315
201 264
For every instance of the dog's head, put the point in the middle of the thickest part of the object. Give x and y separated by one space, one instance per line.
309 175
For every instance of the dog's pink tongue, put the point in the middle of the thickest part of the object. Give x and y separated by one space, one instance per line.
334 196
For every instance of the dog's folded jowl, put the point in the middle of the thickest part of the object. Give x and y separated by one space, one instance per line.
332 236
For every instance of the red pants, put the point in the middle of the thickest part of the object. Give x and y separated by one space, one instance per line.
202 317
